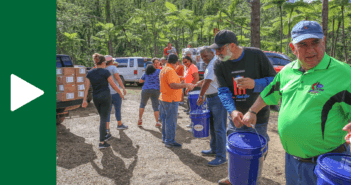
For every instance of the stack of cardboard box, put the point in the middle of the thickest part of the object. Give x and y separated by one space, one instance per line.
70 83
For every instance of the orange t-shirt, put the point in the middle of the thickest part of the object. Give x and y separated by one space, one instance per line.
180 70
189 73
168 76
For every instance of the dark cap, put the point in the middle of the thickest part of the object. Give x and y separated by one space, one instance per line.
224 37
172 58
306 30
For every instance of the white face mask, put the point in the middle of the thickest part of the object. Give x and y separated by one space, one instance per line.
224 58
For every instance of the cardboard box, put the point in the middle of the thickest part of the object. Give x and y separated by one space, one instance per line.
80 79
68 71
67 88
63 80
65 96
80 71
79 94
59 72
80 87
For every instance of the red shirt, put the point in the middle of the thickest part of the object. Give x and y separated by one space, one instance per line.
167 50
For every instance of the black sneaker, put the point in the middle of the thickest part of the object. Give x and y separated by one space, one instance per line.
105 145
107 137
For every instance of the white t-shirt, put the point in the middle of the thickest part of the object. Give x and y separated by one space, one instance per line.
113 70
209 74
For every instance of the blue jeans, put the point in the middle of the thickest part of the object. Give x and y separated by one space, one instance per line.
117 103
218 124
169 121
160 111
301 173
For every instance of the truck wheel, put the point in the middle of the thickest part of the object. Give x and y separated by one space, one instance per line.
59 119
123 81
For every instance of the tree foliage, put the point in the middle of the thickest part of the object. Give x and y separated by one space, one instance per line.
144 27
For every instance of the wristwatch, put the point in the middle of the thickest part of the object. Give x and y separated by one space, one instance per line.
252 112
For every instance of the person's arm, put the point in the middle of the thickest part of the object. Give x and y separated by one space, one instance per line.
347 128
196 77
204 86
180 85
269 96
346 107
267 71
114 86
226 97
142 79
165 52
119 81
87 85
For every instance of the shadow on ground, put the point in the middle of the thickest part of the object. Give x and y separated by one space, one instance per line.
265 181
114 167
71 150
196 163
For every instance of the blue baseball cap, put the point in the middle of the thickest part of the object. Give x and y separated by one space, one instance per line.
306 30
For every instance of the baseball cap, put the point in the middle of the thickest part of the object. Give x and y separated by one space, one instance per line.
172 58
224 37
306 30
163 58
108 57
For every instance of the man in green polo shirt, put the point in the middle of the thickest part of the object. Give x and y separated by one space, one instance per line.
315 107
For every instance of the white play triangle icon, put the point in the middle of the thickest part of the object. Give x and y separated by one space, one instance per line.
22 92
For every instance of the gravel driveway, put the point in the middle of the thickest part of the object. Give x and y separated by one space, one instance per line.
137 155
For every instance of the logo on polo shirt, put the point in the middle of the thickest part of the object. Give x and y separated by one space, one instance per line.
316 88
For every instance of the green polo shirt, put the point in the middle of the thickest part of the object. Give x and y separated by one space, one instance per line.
315 106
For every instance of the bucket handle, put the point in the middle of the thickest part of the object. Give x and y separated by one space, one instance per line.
256 133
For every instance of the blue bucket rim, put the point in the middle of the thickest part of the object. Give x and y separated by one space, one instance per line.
262 147
326 169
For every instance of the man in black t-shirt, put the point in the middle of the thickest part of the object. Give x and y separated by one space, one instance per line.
242 73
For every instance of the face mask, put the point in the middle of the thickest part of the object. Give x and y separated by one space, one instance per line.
226 57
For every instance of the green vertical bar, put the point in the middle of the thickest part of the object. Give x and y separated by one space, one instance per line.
28 134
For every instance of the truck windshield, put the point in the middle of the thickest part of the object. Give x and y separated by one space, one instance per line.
58 62
67 61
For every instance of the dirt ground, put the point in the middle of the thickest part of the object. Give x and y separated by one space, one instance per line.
138 156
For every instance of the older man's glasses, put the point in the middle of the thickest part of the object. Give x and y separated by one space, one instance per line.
221 49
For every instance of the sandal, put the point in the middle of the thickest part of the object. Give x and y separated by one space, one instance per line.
158 125
140 122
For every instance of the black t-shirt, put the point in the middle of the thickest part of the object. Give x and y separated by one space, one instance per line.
255 65
98 79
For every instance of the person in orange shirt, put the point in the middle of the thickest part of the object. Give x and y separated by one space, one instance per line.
180 69
191 76
171 93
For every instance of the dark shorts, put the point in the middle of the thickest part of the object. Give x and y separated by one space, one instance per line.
154 94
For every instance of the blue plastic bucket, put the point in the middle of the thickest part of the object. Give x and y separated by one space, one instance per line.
245 160
193 96
333 169
201 123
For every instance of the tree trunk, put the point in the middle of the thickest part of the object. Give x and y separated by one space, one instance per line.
183 35
336 38
255 24
332 45
281 29
343 32
287 47
325 20
108 20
